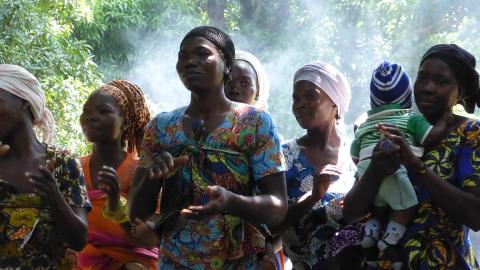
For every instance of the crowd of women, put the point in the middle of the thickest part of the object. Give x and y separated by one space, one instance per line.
213 186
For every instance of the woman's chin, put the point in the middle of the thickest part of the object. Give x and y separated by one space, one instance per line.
237 99
304 124
429 111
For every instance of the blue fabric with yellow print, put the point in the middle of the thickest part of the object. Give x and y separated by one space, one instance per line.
236 155
434 240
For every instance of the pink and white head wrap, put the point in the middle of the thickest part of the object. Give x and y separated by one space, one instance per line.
330 80
262 78
21 83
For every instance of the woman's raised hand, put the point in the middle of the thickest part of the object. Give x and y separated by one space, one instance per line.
218 199
165 163
322 179
45 185
109 184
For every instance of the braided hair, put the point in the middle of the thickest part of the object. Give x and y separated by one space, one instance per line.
135 112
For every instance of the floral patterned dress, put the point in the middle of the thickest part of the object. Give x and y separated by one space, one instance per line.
236 155
307 243
434 240
28 237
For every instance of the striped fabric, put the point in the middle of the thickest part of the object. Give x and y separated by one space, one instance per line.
415 127
390 84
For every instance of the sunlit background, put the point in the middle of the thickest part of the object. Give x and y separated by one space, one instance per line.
74 45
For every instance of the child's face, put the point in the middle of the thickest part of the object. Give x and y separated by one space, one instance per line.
243 86
101 119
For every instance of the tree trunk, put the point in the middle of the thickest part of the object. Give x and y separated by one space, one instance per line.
216 13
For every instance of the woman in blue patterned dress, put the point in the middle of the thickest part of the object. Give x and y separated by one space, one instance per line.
207 158
446 178
321 96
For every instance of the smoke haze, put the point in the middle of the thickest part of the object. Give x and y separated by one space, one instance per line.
355 38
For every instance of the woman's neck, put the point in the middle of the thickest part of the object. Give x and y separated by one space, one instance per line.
321 138
108 153
451 120
207 104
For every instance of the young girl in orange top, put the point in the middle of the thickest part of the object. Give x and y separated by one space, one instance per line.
113 120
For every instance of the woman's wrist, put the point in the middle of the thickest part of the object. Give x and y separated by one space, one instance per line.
308 200
118 215
113 203
229 199
415 166
375 175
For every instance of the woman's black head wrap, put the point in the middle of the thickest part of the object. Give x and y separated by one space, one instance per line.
217 37
462 64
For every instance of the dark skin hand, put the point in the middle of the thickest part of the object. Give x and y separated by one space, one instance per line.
220 199
202 69
66 219
359 199
39 180
316 113
321 183
24 166
146 236
445 195
108 182
148 182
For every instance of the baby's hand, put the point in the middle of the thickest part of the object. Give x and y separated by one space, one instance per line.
144 235
386 144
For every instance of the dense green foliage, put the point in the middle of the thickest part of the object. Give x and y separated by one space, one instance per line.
38 36
71 45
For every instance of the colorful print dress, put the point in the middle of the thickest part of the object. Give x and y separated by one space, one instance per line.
434 241
28 237
236 155
109 246
307 243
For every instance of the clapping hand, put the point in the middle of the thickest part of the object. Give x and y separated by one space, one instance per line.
110 185
45 185
396 136
322 179
165 163
218 199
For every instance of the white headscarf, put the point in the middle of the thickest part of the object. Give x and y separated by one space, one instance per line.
21 83
262 79
330 80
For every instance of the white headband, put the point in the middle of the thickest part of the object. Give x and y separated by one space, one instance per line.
328 79
21 83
